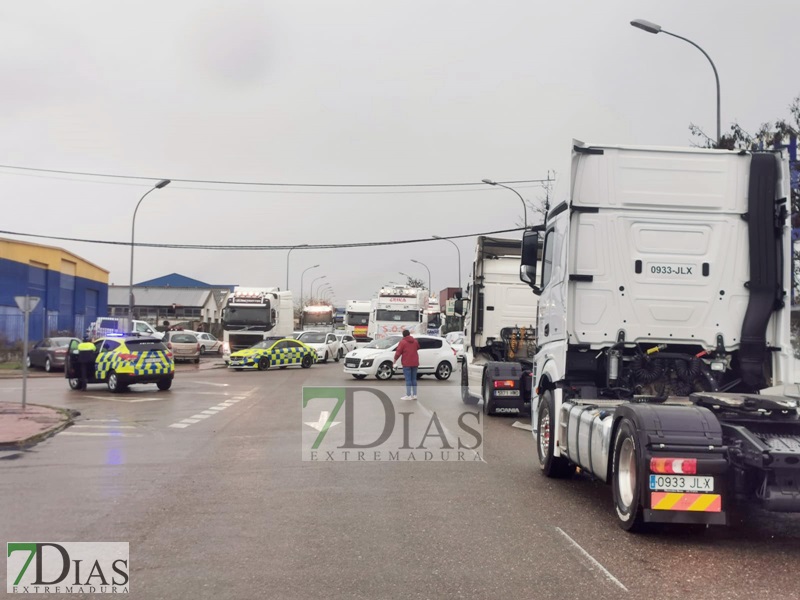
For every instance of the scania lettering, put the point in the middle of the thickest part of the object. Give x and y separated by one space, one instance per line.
252 314
499 339
664 360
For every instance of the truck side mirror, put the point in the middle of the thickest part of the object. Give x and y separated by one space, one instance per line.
458 307
530 256
273 316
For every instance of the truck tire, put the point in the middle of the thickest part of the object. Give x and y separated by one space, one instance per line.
486 394
263 363
466 397
385 371
625 480
555 467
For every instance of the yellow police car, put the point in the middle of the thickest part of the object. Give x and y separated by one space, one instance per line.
283 352
122 361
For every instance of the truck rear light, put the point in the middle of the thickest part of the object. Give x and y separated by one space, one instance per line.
505 383
679 466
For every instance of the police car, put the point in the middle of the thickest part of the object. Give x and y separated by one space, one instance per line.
281 353
121 361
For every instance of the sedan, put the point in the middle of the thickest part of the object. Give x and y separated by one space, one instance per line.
49 354
324 344
208 343
184 345
347 343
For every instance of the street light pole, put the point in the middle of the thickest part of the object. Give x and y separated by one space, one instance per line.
653 28
161 184
521 199
436 237
430 291
301 283
311 297
287 261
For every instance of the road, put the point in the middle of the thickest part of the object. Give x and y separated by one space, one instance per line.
207 484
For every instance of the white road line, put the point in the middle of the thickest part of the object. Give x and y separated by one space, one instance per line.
190 421
591 559
209 412
179 425
106 426
218 407
102 420
212 383
199 416
98 434
519 425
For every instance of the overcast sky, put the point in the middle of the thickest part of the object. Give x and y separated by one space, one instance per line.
348 92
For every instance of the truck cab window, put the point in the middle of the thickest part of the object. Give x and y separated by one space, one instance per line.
547 259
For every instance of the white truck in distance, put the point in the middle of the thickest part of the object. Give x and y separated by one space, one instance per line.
435 317
121 325
664 363
253 314
317 318
356 319
396 309
499 330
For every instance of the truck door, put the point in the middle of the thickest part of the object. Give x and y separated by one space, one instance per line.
552 308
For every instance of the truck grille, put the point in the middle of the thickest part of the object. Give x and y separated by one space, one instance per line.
352 362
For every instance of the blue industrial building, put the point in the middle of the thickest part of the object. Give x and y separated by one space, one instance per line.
72 291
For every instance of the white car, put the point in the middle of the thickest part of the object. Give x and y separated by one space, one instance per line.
456 341
347 342
208 343
376 359
324 344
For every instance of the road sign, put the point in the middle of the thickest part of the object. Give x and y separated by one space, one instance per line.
26 303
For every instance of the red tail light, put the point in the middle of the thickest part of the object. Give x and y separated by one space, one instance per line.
505 383
680 466
169 354
169 345
127 357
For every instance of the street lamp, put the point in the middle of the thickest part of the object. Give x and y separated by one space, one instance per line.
161 184
287 261
428 270
311 295
524 206
436 237
653 28
301 283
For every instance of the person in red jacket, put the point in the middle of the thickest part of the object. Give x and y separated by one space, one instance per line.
407 351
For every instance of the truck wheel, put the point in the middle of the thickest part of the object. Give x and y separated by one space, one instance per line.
466 397
76 384
385 371
164 384
443 371
488 403
307 361
626 483
556 467
263 363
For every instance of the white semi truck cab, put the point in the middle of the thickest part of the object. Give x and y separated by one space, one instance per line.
664 362
251 314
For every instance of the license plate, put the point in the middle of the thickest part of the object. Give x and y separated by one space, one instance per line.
681 483
152 360
506 393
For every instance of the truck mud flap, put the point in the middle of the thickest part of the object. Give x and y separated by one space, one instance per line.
504 389
679 432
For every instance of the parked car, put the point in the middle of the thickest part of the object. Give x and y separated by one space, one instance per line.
184 345
347 343
324 344
456 340
376 359
50 353
208 343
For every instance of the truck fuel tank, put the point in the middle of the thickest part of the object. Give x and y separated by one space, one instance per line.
586 437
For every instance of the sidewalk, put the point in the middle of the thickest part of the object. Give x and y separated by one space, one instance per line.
19 429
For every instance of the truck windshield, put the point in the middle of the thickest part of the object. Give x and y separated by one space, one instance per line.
406 316
239 317
317 318
434 320
355 318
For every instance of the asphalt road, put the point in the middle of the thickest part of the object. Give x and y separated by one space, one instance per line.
207 484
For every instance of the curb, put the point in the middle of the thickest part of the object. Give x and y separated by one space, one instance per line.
31 441
14 374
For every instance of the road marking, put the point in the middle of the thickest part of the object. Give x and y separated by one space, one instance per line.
97 433
212 383
128 400
179 425
211 411
218 407
190 421
519 425
323 418
591 559
199 416
106 426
